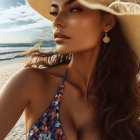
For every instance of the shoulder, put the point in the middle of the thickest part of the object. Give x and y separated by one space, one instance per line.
34 78
24 80
26 75
34 74
39 82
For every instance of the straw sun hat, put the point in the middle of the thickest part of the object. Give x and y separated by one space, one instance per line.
127 12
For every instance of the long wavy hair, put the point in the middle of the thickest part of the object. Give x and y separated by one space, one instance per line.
116 85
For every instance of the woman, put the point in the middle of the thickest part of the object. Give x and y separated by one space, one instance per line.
94 74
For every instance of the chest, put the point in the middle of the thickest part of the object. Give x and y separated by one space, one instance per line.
77 119
75 116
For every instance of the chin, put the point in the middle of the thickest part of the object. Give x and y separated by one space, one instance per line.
62 51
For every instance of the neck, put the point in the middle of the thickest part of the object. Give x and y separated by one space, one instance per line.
80 71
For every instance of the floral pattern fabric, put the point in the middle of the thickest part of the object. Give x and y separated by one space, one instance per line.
48 126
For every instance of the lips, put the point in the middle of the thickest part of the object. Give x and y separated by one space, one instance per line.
58 34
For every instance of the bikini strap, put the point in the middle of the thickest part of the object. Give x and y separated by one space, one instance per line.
63 79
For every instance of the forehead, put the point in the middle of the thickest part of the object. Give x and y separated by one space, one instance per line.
62 3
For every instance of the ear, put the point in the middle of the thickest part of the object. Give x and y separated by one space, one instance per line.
109 22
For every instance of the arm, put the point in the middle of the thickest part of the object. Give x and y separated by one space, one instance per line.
14 97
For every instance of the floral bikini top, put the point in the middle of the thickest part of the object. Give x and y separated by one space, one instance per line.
48 126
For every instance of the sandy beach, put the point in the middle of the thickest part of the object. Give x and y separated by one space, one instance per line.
7 69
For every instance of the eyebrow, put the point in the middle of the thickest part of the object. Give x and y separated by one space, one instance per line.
69 2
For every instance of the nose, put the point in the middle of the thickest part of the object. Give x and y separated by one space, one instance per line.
59 22
58 25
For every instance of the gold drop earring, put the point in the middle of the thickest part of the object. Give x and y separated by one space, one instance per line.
106 39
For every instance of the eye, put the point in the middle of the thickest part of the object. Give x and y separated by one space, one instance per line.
72 9
77 9
53 13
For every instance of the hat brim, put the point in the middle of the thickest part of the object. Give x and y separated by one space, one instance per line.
130 26
43 7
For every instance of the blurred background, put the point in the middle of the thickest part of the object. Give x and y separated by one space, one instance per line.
21 28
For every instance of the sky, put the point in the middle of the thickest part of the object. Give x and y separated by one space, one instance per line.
19 23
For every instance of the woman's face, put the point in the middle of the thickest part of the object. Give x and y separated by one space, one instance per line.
84 26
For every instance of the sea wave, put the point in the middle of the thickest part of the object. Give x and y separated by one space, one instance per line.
9 51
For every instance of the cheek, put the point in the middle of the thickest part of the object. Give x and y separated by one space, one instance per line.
86 32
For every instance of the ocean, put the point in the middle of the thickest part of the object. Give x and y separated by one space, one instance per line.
8 51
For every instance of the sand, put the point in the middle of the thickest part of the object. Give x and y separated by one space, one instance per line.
7 69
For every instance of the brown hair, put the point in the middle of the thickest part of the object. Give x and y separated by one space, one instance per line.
116 85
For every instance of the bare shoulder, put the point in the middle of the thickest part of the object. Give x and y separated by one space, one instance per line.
40 80
45 74
25 80
32 77
25 77
58 70
20 83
